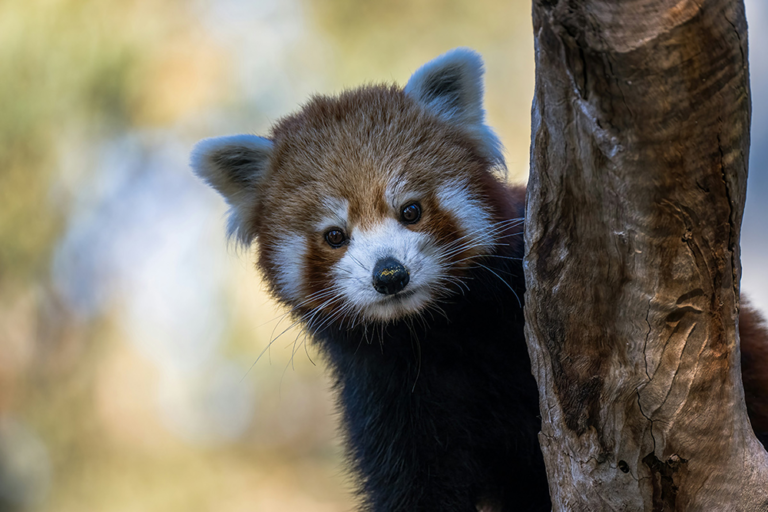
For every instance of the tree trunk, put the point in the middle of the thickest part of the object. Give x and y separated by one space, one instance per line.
640 142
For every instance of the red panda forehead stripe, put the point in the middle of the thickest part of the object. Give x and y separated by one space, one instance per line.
368 205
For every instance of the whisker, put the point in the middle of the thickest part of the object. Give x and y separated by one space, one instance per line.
503 281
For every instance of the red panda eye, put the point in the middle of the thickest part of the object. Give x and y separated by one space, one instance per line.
411 214
335 237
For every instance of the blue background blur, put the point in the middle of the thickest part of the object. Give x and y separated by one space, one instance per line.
128 330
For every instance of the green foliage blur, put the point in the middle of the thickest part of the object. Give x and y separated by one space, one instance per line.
131 338
61 74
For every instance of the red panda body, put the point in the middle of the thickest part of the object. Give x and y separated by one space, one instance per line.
753 333
383 225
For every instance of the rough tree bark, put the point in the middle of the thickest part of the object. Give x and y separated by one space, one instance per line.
638 174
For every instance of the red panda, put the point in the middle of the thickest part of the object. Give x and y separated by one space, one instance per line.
385 226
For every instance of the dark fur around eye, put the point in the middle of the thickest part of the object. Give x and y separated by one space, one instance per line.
335 237
411 213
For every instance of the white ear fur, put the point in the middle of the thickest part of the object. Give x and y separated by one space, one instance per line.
451 85
233 165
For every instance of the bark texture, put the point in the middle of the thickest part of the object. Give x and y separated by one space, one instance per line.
640 141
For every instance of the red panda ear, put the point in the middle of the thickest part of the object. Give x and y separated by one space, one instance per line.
451 86
233 166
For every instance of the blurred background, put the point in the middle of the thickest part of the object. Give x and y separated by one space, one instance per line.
129 333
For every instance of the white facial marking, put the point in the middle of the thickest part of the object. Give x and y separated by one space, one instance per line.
334 214
398 195
290 251
473 218
415 251
394 192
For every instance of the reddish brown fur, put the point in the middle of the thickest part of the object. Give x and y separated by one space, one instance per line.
753 332
353 146
507 202
317 267
440 223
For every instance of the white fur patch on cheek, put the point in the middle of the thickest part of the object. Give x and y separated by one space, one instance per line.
353 274
289 254
471 215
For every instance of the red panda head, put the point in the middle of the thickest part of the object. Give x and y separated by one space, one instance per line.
369 206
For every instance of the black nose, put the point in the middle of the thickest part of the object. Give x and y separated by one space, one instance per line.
389 276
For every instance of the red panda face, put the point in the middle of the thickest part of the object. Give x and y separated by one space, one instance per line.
370 206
